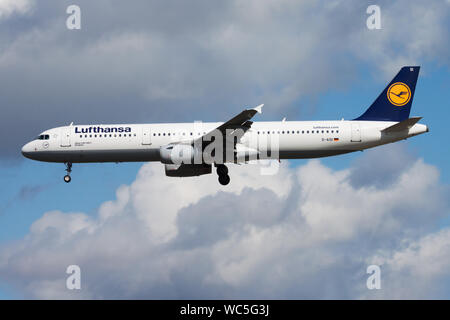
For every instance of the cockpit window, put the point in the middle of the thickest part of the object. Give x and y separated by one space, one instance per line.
43 137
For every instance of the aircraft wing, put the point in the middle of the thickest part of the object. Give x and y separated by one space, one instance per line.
241 121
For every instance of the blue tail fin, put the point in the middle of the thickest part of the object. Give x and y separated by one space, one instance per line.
394 103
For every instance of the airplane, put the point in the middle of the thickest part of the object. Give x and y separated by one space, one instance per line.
193 149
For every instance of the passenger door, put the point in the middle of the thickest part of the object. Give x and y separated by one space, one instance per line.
146 135
356 132
65 136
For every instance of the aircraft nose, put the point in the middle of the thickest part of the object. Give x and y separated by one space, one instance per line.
27 150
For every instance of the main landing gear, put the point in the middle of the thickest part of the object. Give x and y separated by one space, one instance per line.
222 172
67 177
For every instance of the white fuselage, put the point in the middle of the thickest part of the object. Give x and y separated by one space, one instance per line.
142 142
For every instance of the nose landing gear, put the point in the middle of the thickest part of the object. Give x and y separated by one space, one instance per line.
222 172
67 177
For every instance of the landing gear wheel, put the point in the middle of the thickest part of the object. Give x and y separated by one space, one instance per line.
67 177
224 179
222 170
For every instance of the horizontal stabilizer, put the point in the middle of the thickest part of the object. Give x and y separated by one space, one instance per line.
403 125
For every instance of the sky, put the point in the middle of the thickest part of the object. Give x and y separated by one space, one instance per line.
308 232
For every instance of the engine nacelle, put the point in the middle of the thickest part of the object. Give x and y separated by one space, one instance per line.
187 170
244 153
178 154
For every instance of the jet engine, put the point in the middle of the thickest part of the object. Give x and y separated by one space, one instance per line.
187 170
179 154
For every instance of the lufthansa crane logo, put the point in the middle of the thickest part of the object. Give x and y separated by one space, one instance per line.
399 94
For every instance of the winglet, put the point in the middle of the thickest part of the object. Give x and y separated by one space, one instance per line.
259 108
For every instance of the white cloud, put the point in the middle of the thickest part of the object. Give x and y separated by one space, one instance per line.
307 232
413 37
419 269
9 7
